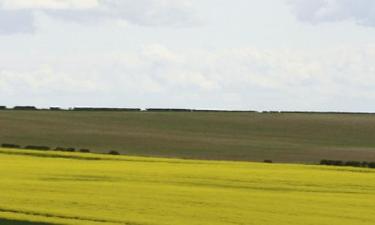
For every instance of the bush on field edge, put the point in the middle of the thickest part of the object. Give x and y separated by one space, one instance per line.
10 146
325 162
61 149
35 147
113 152
363 164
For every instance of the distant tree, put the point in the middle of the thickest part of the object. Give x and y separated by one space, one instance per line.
25 108
332 162
70 149
62 149
353 164
55 108
364 164
35 147
113 152
10 146
84 150
338 163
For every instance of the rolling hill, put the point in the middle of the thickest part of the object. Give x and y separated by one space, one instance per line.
281 137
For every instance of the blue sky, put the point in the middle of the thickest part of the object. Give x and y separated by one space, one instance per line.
240 54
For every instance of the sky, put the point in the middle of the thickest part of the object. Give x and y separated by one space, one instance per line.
305 55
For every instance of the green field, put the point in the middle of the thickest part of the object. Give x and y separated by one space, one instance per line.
92 189
289 137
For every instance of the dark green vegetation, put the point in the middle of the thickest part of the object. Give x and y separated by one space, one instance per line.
363 164
15 222
280 137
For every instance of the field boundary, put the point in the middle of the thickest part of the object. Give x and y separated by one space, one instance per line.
49 215
119 109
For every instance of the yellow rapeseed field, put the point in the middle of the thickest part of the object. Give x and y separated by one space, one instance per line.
74 188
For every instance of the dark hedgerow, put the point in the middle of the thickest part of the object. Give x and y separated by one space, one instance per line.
332 162
113 152
70 149
268 161
338 163
25 108
55 109
353 164
106 109
35 147
10 146
371 165
62 149
84 150
167 110
364 164
348 163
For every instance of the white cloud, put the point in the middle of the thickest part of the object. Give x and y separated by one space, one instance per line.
316 11
20 21
44 80
237 78
48 4
152 12
170 13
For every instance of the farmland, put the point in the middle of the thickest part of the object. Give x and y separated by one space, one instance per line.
93 189
244 136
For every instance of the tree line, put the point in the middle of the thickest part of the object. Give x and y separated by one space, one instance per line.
325 162
33 108
363 164
46 148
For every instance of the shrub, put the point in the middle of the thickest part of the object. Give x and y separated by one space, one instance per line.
113 153
62 149
10 146
105 109
332 162
371 165
168 110
364 164
84 150
348 163
55 108
70 149
268 161
353 163
25 108
338 163
35 147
